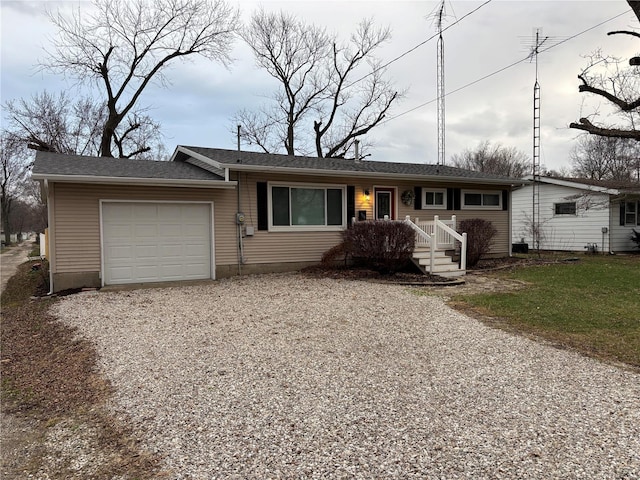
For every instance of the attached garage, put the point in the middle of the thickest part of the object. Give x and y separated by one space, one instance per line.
156 241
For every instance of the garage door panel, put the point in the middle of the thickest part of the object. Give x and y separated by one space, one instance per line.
118 212
121 252
169 230
146 251
153 242
145 210
146 230
120 274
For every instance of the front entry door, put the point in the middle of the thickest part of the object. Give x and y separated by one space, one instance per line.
385 203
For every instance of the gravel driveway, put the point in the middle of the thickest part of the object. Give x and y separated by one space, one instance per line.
284 376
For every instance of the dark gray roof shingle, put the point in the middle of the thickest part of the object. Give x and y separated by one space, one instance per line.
48 163
233 157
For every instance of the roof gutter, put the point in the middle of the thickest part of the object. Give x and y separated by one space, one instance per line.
156 182
349 173
581 186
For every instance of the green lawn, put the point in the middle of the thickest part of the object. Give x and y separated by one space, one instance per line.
592 305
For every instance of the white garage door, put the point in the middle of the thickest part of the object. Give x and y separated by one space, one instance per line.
156 242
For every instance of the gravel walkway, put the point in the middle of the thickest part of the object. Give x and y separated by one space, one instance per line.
284 376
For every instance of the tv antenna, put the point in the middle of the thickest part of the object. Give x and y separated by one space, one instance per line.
438 15
534 47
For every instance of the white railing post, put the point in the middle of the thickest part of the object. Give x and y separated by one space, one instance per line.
454 224
434 244
463 252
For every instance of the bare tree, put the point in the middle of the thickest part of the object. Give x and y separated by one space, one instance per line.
58 123
364 105
14 169
605 158
495 159
123 46
607 77
320 106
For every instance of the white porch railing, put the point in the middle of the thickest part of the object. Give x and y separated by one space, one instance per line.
429 227
438 234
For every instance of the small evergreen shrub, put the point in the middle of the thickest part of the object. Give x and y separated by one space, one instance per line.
635 237
480 234
385 246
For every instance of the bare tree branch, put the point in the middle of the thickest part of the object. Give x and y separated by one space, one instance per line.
589 127
126 45
70 125
618 86
316 108
495 159
602 157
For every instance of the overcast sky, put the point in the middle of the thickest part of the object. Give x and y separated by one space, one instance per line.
196 109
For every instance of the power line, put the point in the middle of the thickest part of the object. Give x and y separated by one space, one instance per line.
411 50
496 72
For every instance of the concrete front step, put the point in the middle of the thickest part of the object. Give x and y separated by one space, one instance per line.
443 264
436 261
456 273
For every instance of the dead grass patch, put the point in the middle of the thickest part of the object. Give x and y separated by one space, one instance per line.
53 394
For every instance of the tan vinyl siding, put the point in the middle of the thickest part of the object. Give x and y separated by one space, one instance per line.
76 218
274 247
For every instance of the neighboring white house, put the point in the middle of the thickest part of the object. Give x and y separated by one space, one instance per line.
575 213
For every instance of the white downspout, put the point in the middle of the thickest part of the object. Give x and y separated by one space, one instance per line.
49 237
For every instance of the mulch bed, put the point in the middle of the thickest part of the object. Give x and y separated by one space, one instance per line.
412 276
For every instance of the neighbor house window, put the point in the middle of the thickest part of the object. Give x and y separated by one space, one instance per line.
631 213
307 207
566 208
434 199
483 200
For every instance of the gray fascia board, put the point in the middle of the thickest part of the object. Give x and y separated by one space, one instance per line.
167 182
348 173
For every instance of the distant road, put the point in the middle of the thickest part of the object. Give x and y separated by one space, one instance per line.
10 260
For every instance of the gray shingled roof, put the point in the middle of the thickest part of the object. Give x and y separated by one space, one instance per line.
48 163
230 158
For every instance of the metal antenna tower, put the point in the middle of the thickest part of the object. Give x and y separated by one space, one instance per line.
534 50
536 150
440 83
535 211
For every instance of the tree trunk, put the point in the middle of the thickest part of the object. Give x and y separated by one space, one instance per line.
6 208
290 137
107 137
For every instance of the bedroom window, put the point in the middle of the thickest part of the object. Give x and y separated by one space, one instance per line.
565 208
631 213
307 207
482 200
434 198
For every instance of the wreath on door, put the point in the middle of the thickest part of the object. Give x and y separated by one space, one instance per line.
407 197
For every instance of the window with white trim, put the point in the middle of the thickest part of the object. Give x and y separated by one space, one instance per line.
487 200
631 213
564 208
306 207
434 198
